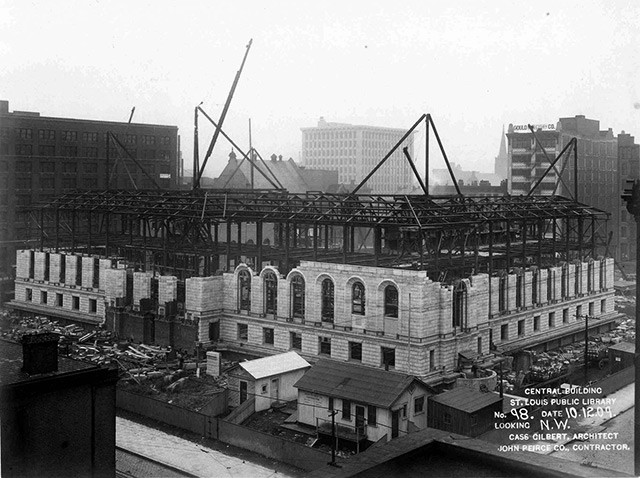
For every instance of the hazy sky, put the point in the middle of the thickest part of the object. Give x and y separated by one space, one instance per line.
475 66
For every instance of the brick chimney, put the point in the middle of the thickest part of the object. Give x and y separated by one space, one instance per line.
40 353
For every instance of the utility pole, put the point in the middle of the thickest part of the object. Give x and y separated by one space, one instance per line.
632 197
333 414
586 348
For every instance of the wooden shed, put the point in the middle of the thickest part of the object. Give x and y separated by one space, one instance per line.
621 356
464 411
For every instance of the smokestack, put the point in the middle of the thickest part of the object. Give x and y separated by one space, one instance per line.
40 353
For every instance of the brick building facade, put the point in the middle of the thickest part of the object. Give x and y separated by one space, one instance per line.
42 157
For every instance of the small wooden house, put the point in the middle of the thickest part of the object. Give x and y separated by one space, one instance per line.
268 379
464 411
367 403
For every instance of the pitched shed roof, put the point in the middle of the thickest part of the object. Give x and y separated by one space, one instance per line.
357 383
466 399
274 365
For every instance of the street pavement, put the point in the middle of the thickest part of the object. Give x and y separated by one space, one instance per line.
186 455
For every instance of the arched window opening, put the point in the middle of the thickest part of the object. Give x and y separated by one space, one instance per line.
327 292
391 301
297 296
459 304
271 293
244 289
357 298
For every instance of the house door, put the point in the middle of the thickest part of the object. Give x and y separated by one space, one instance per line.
360 420
275 389
243 391
395 423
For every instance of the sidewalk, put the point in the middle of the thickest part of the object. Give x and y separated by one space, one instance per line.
184 454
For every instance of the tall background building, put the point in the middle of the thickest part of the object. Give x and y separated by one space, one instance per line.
354 150
628 169
605 162
42 157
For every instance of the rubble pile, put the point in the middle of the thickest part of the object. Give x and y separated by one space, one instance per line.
563 361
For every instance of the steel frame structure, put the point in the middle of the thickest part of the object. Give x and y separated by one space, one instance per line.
180 232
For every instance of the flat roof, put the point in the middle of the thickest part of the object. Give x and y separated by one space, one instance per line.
624 347
466 399
274 365
11 365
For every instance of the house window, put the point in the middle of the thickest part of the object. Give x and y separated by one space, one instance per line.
357 298
388 357
271 293
521 327
603 306
324 344
243 332
59 300
355 351
244 290
297 296
391 301
327 291
403 411
93 306
446 418
536 323
372 416
295 340
267 336
504 332
459 304
418 405
264 389
75 303
331 403
43 296
346 410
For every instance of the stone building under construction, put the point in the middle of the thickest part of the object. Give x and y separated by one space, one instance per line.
416 283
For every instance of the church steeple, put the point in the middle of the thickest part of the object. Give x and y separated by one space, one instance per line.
501 164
